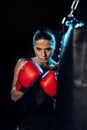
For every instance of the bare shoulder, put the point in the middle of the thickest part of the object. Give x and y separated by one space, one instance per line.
21 60
20 63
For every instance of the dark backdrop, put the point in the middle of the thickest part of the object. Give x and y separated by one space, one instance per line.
18 21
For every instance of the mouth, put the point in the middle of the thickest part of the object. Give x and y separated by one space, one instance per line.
44 59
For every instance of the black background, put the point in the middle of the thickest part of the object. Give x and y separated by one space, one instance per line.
18 22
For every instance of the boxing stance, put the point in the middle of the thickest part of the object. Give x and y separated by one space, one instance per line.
35 81
30 72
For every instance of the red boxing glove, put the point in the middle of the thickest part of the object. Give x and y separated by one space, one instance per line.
49 83
28 74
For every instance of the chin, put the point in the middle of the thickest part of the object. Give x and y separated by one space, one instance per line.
44 61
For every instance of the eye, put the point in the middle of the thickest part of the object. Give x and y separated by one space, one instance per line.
49 49
38 48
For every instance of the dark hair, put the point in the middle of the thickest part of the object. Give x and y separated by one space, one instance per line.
44 33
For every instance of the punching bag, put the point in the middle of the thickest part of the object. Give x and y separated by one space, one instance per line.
72 92
79 78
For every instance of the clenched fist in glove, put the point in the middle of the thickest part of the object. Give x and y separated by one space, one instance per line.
28 74
49 83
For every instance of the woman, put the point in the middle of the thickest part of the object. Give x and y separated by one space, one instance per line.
34 84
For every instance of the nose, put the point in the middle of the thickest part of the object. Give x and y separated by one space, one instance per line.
44 53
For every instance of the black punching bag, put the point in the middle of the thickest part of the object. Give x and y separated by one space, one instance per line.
79 78
72 91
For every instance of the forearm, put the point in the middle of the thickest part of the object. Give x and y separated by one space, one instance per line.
16 95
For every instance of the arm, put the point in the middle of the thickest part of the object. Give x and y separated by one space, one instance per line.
15 95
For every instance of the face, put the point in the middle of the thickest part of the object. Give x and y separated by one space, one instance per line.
43 50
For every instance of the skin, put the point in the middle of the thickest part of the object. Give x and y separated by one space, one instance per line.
44 51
